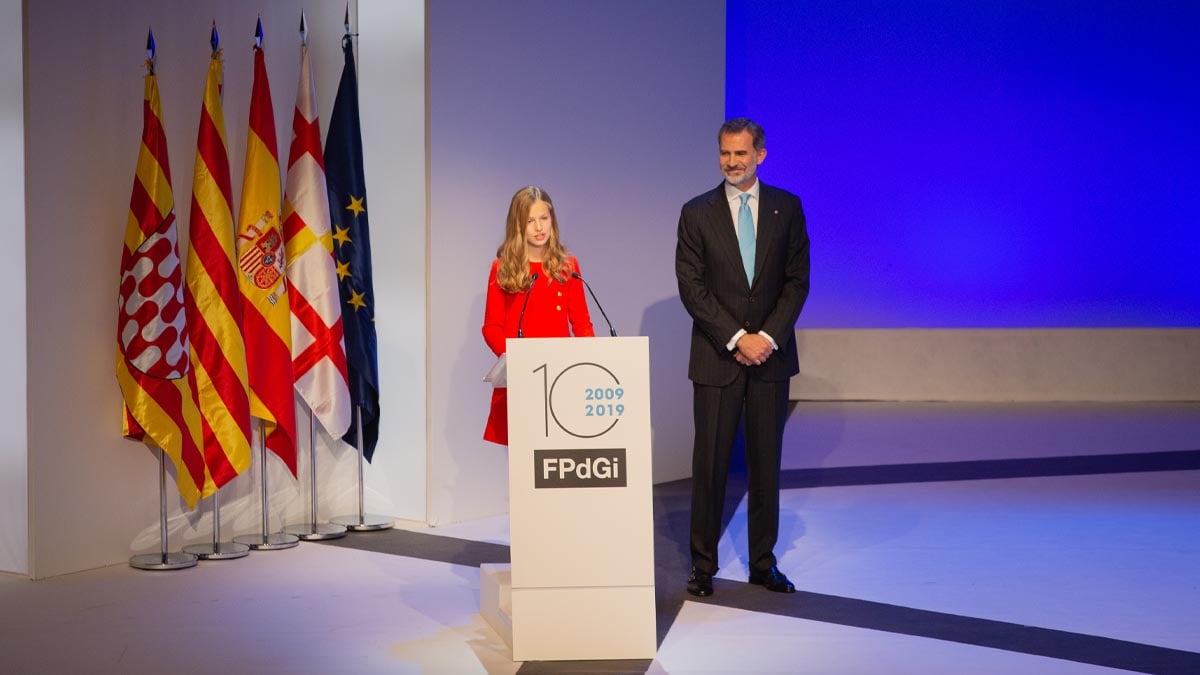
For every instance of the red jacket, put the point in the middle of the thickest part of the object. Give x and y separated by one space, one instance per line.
555 309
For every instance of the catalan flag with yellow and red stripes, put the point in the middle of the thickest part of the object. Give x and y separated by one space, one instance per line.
214 301
261 263
152 339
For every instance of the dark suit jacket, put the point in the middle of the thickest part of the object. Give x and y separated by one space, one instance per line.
714 290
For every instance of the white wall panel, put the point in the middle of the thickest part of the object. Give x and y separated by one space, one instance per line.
14 506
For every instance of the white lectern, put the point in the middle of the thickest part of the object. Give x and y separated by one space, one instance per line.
580 502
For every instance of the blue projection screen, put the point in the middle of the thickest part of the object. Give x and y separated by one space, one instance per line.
986 164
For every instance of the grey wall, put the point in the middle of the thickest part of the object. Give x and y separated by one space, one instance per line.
613 108
1028 364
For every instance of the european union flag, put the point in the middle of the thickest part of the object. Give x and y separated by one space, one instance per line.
352 252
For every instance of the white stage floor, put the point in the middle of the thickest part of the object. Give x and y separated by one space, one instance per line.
895 577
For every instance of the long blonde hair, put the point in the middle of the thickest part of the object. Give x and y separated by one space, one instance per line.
513 275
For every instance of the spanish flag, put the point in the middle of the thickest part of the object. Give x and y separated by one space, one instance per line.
152 338
214 301
261 263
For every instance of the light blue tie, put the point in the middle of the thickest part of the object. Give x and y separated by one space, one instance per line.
746 236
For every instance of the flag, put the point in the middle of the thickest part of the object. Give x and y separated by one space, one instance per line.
152 339
213 300
318 347
352 252
266 323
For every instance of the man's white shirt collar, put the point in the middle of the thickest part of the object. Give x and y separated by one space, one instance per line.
734 194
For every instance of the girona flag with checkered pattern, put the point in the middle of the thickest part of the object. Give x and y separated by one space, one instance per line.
153 367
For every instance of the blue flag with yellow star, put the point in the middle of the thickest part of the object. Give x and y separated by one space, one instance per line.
352 252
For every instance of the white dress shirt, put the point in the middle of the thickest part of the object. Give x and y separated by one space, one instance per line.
734 196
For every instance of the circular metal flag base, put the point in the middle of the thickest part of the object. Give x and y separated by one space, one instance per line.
163 561
272 542
225 550
365 523
316 531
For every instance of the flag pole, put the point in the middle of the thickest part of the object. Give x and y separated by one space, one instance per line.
267 541
313 530
158 193
363 522
163 560
218 550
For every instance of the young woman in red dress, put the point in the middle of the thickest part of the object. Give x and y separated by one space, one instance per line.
531 263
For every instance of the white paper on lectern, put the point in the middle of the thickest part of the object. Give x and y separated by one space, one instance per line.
498 375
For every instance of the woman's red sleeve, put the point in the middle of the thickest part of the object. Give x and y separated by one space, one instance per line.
494 313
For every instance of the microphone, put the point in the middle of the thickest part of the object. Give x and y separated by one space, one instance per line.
521 320
611 331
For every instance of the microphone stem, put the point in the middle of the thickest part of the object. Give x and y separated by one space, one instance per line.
521 320
611 331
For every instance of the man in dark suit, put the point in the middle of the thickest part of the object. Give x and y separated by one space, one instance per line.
742 265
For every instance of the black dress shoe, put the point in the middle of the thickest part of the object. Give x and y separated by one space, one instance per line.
700 583
772 580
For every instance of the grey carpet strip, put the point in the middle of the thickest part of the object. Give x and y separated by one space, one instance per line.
424 546
630 667
1033 467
